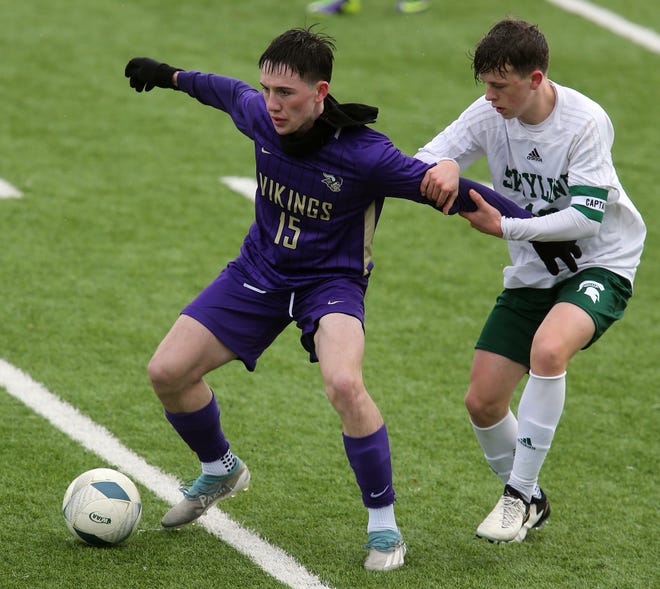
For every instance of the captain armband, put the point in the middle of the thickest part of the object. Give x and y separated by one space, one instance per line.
590 201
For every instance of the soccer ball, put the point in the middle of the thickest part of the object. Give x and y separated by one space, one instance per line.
102 507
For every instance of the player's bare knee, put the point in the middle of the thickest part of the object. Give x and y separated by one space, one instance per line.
164 379
473 404
343 390
547 357
343 382
484 411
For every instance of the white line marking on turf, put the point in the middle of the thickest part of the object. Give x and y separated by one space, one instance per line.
246 187
7 190
99 440
607 19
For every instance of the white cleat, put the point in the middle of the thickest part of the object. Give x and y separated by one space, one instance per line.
386 551
539 510
205 492
507 519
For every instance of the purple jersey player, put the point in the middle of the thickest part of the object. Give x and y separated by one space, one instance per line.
322 178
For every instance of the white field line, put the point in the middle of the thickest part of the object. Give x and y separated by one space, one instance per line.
246 187
8 190
611 21
99 440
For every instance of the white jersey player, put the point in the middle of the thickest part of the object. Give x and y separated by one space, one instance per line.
549 150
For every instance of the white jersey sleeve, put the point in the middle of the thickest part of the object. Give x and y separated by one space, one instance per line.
563 163
565 225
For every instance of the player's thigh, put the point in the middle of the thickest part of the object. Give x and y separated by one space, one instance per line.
601 294
339 342
510 327
565 330
189 350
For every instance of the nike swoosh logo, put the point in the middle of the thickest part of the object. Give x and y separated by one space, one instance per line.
264 150
376 495
334 302
254 288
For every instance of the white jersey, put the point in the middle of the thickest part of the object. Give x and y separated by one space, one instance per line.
564 162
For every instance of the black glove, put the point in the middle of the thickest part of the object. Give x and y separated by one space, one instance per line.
145 73
566 251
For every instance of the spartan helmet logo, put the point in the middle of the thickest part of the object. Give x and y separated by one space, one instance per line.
591 289
332 182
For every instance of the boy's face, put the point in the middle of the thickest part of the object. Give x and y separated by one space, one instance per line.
510 94
293 105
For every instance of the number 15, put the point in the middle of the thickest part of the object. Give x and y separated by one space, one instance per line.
289 241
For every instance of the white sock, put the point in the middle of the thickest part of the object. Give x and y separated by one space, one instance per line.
498 443
539 411
220 467
381 518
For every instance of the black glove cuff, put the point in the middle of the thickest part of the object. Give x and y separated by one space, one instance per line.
163 76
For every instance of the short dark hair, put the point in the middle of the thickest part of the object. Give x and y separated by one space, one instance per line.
303 51
511 43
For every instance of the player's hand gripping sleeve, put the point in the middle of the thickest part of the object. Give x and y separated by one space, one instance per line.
146 73
464 203
548 251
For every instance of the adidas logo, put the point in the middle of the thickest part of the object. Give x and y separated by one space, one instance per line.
527 442
535 156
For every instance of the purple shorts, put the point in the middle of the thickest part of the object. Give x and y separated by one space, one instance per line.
247 318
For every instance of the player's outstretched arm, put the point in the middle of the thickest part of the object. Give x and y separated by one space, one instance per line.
464 202
146 73
548 251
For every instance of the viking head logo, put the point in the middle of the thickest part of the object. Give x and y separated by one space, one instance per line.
591 289
332 182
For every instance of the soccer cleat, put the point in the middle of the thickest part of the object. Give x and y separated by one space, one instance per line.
386 551
204 492
412 6
334 7
539 511
505 522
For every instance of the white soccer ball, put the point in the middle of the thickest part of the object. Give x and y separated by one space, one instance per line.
102 507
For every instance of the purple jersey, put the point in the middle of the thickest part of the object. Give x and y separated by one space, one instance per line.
315 215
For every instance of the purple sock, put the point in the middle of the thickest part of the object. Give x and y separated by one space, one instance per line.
369 458
201 431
